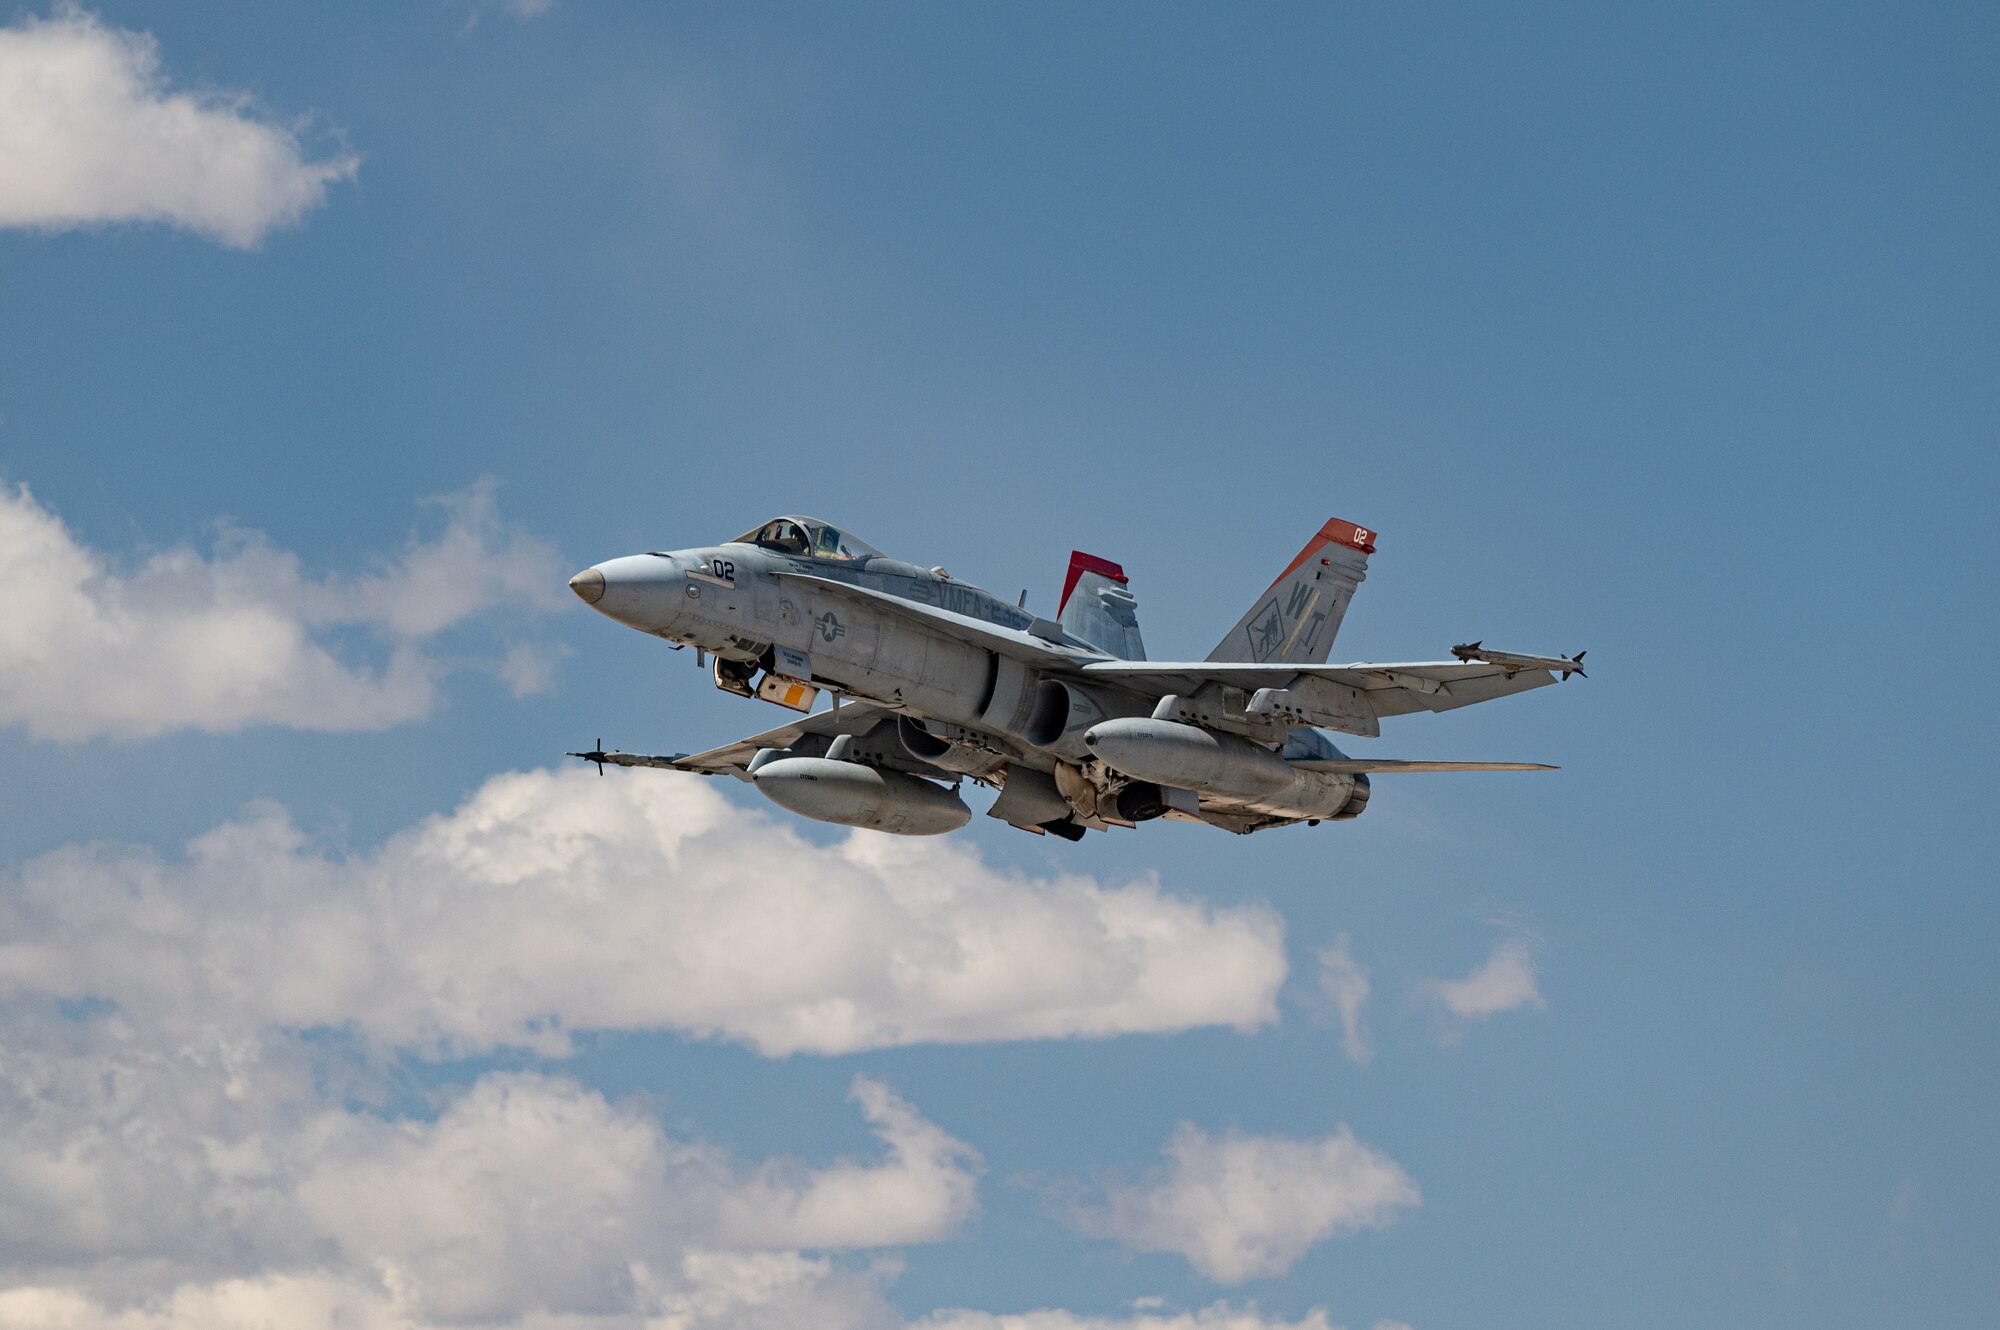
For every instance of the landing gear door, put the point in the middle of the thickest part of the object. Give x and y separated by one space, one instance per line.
787 692
789 680
791 664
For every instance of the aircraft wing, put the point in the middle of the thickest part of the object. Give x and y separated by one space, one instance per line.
734 759
1342 697
1006 641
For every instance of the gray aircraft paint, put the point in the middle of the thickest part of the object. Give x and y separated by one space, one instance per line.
943 680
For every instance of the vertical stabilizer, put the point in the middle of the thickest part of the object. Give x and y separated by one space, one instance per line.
1097 607
1295 620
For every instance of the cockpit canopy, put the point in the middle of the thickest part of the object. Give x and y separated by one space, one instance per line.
807 538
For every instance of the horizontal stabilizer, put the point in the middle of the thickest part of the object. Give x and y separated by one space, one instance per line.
1348 766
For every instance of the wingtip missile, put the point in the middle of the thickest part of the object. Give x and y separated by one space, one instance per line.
1471 652
597 755
604 757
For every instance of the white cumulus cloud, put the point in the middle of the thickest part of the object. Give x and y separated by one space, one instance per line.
769 1291
233 1183
532 1192
222 1182
241 635
191 1049
529 1192
1220 1316
1504 982
556 901
1343 983
925 1192
1239 1206
91 132
1217 1317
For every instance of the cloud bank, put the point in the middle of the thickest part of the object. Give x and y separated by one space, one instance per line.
922 1194
1221 1316
551 902
1239 1206
241 636
219 1183
216 1184
182 1145
90 133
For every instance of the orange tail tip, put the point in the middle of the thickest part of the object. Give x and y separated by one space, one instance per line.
1295 618
1335 532
1347 533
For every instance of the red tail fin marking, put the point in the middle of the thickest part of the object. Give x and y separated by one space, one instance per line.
1081 563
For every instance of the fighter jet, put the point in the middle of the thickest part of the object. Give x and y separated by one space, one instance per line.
933 681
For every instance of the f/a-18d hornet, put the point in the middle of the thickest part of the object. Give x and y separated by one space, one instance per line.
933 680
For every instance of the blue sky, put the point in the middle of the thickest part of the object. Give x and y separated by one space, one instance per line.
1669 335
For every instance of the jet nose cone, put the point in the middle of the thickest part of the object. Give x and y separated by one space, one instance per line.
589 584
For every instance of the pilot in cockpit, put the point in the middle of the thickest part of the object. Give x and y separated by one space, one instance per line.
783 536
